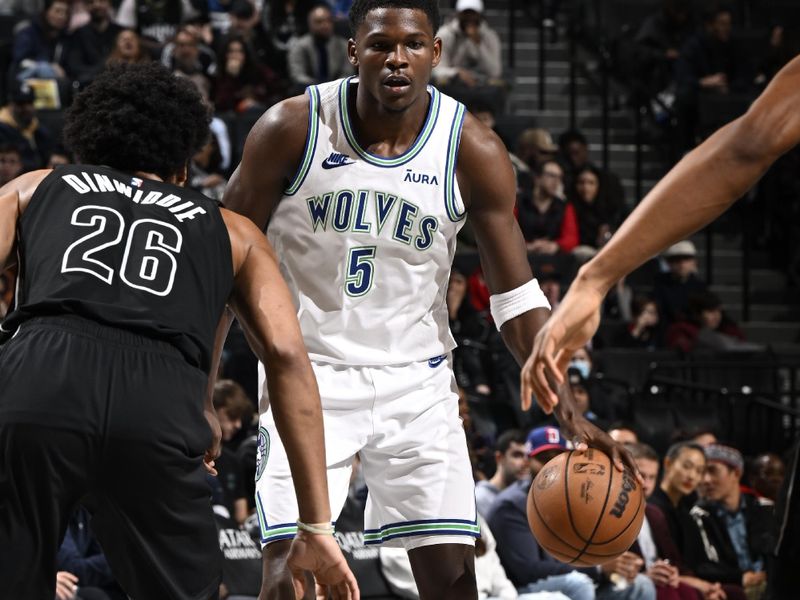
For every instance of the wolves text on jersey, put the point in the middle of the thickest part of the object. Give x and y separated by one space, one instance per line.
181 209
346 210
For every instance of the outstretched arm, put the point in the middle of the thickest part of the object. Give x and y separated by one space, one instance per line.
489 195
14 199
700 188
263 305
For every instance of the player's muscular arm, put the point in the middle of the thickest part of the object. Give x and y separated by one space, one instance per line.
271 156
706 182
489 190
264 307
14 199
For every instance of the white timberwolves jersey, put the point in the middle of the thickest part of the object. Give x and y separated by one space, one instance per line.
366 242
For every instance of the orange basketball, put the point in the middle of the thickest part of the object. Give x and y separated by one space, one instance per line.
582 510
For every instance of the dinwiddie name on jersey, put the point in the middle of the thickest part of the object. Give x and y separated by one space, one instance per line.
181 209
346 210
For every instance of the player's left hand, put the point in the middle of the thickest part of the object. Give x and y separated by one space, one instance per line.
321 555
214 449
585 434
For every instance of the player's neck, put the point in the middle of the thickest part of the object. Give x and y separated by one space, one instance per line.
392 131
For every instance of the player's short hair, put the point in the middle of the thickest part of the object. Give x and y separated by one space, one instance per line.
360 8
516 436
137 117
674 451
642 451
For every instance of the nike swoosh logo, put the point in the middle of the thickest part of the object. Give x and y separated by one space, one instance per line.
330 165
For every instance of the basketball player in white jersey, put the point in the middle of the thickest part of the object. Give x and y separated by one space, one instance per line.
363 185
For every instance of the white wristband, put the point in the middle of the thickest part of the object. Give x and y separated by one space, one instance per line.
316 529
514 302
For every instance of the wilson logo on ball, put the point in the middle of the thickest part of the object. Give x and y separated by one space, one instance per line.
628 485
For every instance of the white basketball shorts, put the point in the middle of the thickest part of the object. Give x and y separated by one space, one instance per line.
403 422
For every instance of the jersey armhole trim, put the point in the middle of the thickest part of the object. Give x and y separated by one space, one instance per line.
455 209
311 141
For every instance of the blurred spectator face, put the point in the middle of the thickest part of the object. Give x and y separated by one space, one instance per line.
577 153
769 473
320 23
649 470
682 266
57 16
128 46
624 436
469 21
99 10
649 315
537 463
10 166
685 473
513 464
57 159
23 113
705 438
587 185
581 396
720 481
534 146
551 288
456 290
720 26
711 318
551 179
228 425
186 48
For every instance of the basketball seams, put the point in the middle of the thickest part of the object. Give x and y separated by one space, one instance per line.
631 522
602 510
566 498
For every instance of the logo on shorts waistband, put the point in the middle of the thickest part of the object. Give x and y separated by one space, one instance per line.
436 361
262 452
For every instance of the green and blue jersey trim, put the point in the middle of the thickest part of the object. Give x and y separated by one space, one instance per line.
311 141
279 531
422 527
395 161
453 212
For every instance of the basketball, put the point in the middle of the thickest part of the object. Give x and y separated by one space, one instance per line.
582 510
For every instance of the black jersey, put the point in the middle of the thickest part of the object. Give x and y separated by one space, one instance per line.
132 253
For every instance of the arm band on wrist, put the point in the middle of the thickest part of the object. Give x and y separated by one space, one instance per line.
316 529
514 302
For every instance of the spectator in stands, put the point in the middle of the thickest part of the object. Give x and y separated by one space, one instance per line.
511 461
672 289
746 525
534 146
246 25
242 82
574 150
478 444
205 170
285 20
155 22
82 571
128 49
471 54
20 126
703 436
529 567
58 157
659 40
470 330
706 327
547 221
40 48
579 385
10 162
597 216
549 279
684 468
320 55
186 55
643 331
768 471
709 63
625 433
92 44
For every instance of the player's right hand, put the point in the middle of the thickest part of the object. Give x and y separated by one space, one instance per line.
321 555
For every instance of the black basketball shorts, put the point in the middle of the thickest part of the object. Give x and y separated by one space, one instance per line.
114 420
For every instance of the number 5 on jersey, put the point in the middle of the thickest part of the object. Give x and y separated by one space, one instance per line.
360 271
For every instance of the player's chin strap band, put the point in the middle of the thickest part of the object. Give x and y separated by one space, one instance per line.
315 528
514 302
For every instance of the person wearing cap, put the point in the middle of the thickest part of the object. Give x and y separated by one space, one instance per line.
19 126
672 288
533 146
529 567
470 48
746 525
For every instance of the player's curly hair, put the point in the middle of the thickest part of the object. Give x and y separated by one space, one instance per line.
360 8
137 117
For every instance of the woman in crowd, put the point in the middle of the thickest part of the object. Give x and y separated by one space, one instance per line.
128 49
242 82
597 213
